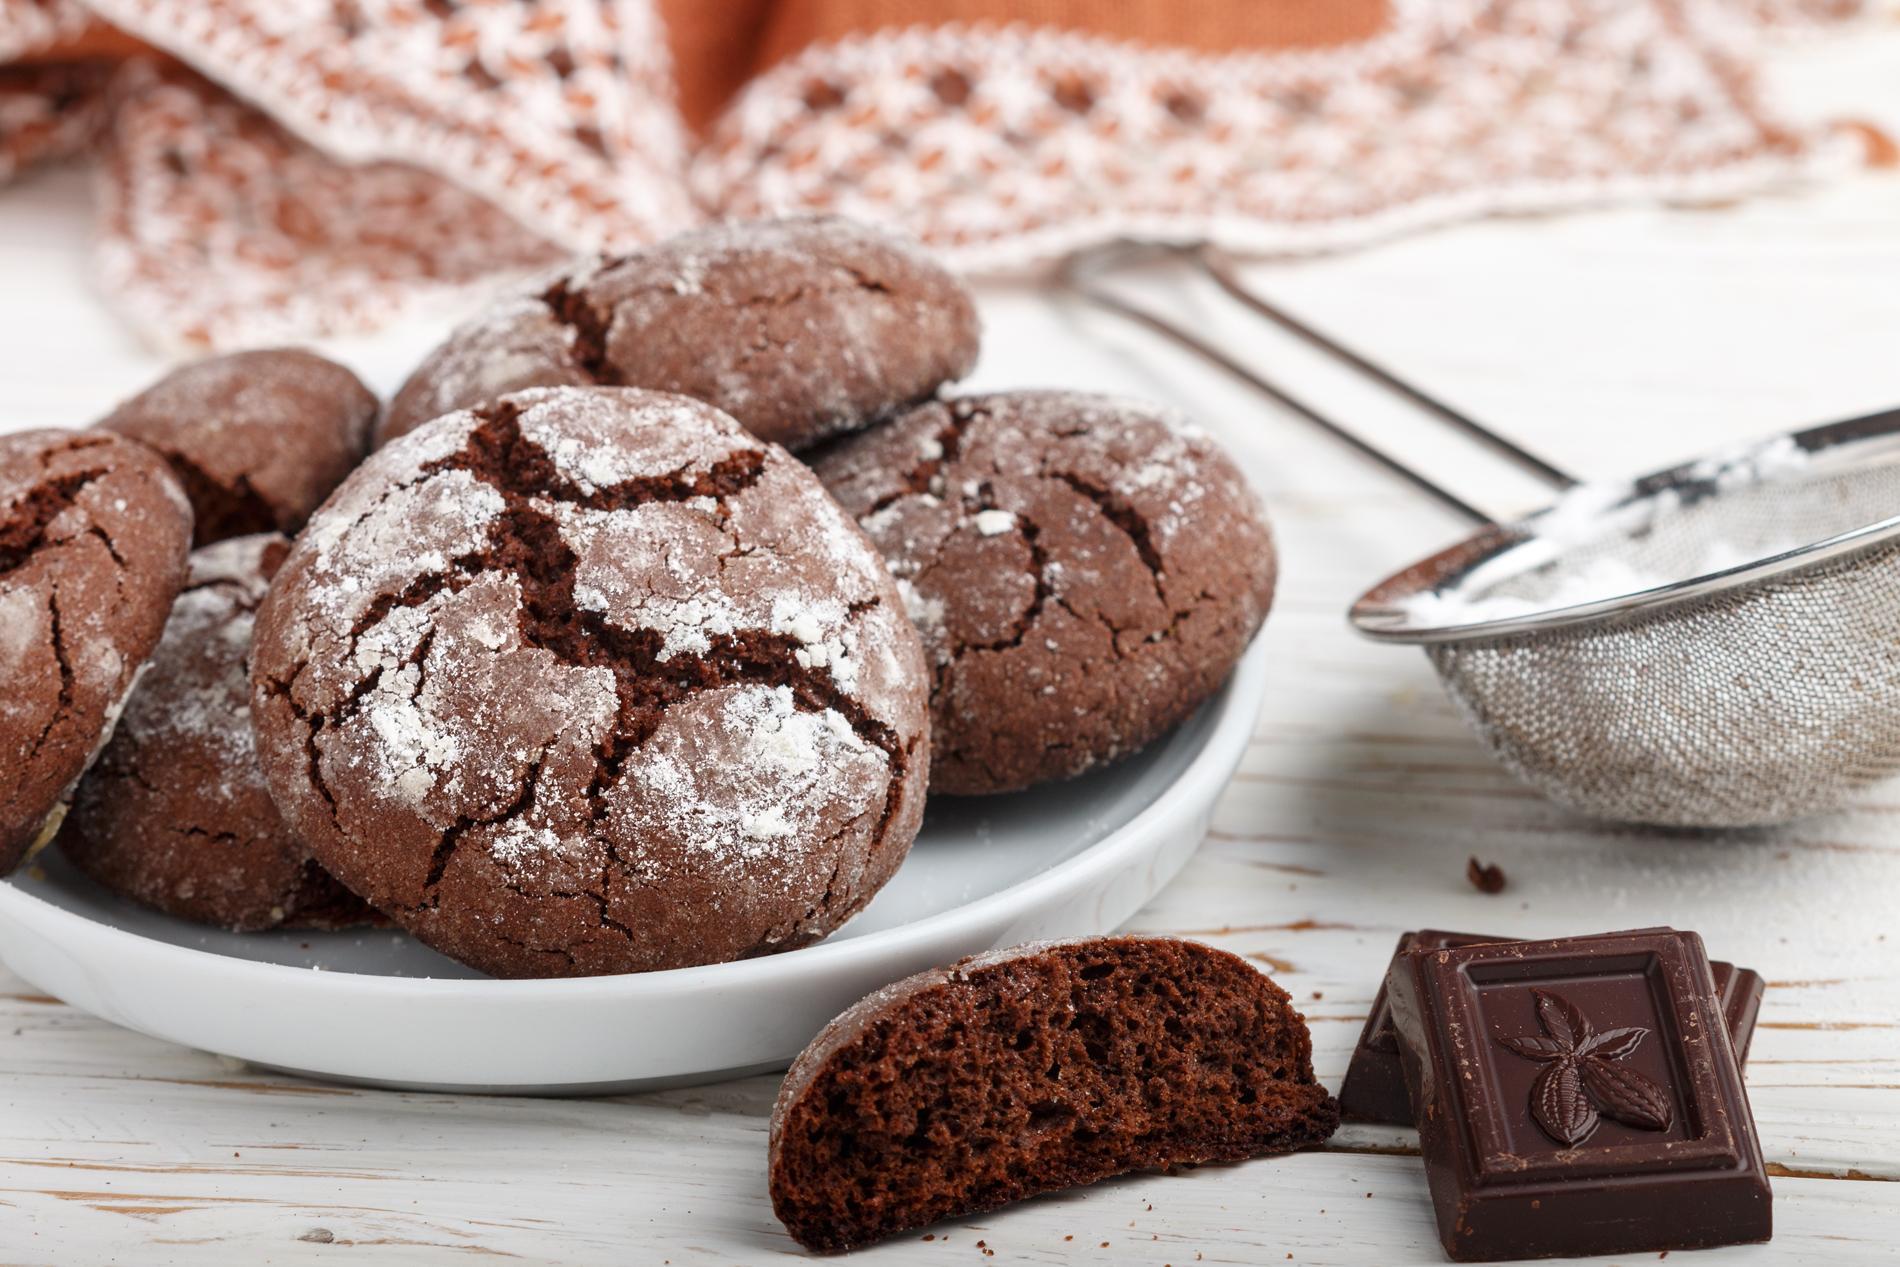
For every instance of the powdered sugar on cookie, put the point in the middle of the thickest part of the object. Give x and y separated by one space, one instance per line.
585 646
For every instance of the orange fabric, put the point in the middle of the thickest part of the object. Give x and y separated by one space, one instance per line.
321 175
715 45
719 44
98 42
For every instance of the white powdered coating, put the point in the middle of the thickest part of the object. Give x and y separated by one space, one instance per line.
1598 581
784 562
780 772
1590 514
200 660
416 745
586 437
994 523
416 530
433 622
19 633
925 611
1756 463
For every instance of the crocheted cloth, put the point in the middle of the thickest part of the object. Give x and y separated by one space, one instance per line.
322 164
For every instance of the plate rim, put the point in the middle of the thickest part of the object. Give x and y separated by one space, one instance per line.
1237 706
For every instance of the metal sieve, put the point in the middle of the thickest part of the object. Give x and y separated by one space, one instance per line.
1712 645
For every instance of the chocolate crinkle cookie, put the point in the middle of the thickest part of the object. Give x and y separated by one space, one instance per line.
1030 1070
258 438
799 328
93 536
1084 570
588 681
175 814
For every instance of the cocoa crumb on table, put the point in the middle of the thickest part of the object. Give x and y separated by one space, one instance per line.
1485 878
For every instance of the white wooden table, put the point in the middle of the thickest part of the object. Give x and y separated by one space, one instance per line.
1612 341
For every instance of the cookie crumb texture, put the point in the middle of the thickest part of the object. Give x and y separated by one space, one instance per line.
1085 571
93 536
175 814
799 328
590 681
1032 1070
257 438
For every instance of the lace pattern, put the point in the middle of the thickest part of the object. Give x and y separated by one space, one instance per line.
357 156
1006 147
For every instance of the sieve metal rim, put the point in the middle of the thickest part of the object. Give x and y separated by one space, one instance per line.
1381 615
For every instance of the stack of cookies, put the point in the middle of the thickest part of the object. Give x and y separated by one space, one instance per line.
564 662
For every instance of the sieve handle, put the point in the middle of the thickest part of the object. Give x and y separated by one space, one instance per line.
1082 272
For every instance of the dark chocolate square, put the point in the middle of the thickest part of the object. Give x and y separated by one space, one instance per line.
1375 1091
1578 1096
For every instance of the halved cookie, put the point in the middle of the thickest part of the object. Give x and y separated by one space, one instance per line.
1034 1069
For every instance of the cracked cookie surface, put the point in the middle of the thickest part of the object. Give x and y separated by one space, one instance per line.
175 814
800 329
1084 570
587 681
258 439
93 535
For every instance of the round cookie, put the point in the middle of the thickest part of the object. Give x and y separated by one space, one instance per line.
93 535
1085 571
799 328
257 438
590 681
175 813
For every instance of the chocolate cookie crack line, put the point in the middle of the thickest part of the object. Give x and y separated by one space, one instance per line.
1130 523
532 549
451 838
918 480
791 929
106 542
1031 533
569 306
499 455
518 944
64 702
449 582
312 725
31 518
568 302
760 307
236 507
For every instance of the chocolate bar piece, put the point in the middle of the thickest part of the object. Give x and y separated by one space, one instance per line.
1578 1096
1375 1090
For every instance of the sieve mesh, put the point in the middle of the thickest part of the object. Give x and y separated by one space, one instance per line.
1756 703
1649 657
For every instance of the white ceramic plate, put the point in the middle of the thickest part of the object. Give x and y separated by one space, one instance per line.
1062 861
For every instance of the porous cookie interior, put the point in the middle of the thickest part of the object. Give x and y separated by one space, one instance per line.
1036 1070
811 798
